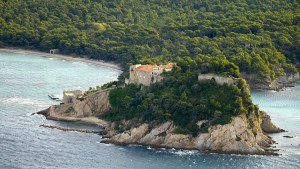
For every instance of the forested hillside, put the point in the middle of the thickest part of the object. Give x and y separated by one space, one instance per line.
261 37
181 98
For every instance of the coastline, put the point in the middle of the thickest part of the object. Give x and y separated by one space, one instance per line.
63 57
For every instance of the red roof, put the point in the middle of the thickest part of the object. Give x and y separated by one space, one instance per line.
151 68
148 68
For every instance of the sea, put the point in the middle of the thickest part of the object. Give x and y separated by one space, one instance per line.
25 82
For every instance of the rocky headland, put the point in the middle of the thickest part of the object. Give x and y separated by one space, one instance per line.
269 84
245 134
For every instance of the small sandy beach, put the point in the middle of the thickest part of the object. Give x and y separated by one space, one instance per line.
63 57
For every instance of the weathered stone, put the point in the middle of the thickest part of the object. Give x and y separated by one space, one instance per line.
267 83
235 137
92 105
267 125
288 136
244 135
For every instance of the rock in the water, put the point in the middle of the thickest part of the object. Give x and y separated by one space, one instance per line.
68 129
288 136
267 125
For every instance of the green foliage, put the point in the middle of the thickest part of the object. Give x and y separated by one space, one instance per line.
109 85
260 37
103 87
180 97
92 90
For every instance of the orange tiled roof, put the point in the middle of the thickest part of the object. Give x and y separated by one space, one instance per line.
168 66
151 68
147 68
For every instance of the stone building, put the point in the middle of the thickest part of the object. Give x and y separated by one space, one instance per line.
220 80
54 51
71 96
147 74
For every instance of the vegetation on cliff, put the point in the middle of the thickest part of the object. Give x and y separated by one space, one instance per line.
261 37
180 97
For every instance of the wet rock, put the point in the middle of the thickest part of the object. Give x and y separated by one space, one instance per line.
288 136
235 137
68 129
267 125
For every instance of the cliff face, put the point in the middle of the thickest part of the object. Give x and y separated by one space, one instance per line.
268 83
91 105
244 135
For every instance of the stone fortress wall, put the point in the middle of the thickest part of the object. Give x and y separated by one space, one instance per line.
220 80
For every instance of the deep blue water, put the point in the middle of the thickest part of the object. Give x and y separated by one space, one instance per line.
26 80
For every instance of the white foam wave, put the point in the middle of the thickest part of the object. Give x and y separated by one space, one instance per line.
22 101
184 152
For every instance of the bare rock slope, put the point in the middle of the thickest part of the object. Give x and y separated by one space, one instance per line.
244 135
91 105
237 137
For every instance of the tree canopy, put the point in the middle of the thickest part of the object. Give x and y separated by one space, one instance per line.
181 98
260 37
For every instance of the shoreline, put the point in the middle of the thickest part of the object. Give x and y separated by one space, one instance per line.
63 57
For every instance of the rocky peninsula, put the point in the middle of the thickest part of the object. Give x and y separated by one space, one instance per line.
185 108
245 134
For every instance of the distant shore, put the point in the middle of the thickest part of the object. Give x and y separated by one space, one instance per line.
64 57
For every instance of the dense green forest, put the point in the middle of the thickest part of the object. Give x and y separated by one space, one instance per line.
261 37
180 97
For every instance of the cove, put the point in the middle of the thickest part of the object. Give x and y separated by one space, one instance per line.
26 80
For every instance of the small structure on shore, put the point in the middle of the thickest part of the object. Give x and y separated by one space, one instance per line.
52 96
54 51
71 96
147 74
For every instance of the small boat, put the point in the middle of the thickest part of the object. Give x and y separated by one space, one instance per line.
53 96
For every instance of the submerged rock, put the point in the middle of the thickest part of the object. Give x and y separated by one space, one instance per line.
68 129
288 136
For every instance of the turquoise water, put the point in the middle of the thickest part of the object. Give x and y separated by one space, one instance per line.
26 80
284 109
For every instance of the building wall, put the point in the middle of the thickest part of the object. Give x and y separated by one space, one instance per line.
71 96
54 51
132 73
144 77
220 80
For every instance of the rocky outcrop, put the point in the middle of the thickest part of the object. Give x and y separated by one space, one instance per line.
89 106
244 135
69 129
159 136
290 78
267 125
269 84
